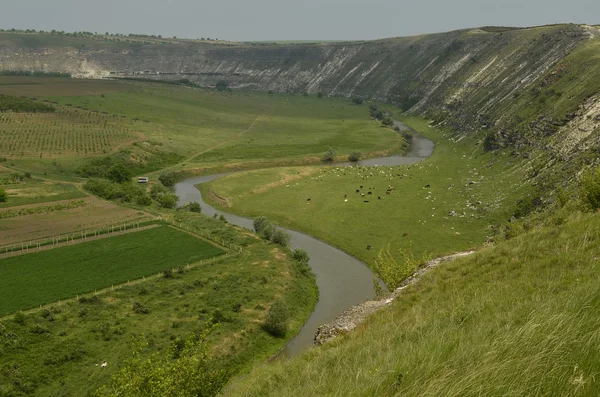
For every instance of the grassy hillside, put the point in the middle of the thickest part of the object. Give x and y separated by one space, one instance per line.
519 318
58 349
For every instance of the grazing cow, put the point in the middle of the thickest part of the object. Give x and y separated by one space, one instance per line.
370 193
387 192
378 197
362 194
369 247
308 199
357 191
366 201
405 234
361 186
427 186
345 195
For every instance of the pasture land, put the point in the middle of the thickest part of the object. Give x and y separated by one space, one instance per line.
21 226
443 204
39 278
213 129
59 348
49 86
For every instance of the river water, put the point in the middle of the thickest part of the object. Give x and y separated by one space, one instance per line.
343 280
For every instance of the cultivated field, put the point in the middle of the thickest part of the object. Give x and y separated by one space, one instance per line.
43 221
24 191
39 278
60 347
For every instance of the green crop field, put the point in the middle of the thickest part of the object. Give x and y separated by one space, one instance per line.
461 178
34 279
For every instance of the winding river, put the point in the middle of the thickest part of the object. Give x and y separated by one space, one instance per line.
343 280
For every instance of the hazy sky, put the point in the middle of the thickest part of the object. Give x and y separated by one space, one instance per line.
287 19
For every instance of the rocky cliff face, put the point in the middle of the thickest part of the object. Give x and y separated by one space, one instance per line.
475 80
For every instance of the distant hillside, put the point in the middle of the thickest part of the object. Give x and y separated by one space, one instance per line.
519 88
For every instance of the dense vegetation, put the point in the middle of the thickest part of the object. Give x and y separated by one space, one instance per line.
23 105
36 73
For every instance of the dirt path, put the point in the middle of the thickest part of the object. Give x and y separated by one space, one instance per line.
356 315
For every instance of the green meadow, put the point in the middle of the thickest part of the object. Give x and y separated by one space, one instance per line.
440 205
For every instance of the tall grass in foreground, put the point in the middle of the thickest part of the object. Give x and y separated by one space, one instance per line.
518 319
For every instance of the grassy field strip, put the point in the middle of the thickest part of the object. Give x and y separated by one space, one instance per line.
27 281
29 248
79 236
129 283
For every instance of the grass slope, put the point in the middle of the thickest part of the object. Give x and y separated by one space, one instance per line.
34 279
54 351
518 319
480 188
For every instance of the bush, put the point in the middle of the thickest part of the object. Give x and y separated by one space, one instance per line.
320 94
191 207
38 329
357 100
300 255
19 318
276 322
280 237
222 85
168 179
329 156
157 190
354 156
3 195
590 189
140 308
268 231
259 223
118 173
143 200
168 200
387 122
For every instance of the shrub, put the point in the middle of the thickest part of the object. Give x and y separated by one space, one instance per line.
259 223
268 231
300 255
3 195
387 122
167 179
329 156
39 329
354 156
92 299
191 207
19 318
590 189
168 200
222 218
158 189
357 100
280 237
276 322
140 308
393 272
143 200
118 173
320 94
222 85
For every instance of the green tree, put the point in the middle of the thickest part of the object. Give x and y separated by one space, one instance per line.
167 179
354 156
329 156
387 122
3 195
118 173
168 200
280 237
276 322
191 207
